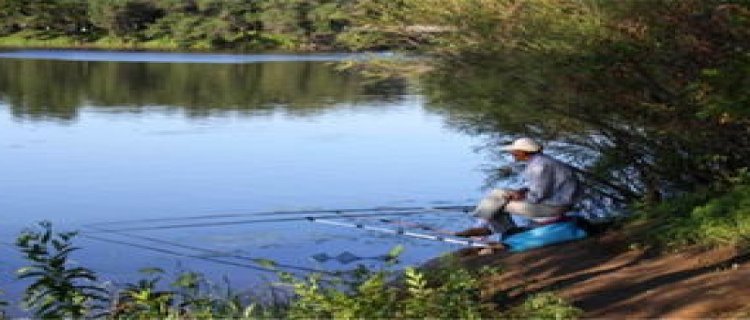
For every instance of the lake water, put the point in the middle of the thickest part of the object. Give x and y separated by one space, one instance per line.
94 137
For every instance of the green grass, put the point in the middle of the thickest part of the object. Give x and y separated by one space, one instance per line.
704 218
26 41
20 41
40 40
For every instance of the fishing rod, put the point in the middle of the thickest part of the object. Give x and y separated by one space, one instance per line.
421 226
238 222
290 212
400 231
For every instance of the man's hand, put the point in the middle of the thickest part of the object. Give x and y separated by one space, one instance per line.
516 195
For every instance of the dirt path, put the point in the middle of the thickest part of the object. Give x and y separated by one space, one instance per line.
609 281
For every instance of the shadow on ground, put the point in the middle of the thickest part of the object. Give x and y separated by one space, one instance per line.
606 279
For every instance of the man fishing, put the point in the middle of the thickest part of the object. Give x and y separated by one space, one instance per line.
551 190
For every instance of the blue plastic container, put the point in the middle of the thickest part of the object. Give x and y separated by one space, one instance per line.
544 236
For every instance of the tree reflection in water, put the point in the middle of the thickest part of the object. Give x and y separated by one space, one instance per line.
38 89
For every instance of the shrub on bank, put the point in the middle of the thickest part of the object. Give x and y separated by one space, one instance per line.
711 217
61 291
415 296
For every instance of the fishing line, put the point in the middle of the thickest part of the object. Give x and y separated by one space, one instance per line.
175 253
239 222
217 252
209 259
296 212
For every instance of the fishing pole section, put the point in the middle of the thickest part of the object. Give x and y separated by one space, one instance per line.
106 232
148 224
401 232
371 211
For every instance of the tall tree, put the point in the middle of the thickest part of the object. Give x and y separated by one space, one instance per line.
124 18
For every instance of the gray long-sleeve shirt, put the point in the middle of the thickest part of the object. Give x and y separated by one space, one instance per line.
550 182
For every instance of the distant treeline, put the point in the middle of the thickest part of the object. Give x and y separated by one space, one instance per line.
191 24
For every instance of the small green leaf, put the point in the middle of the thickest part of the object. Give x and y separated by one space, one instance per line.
266 263
395 252
151 271
187 280
24 270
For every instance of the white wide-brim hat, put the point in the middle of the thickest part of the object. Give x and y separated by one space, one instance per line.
523 144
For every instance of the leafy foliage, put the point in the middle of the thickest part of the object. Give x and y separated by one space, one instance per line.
615 85
194 24
190 295
706 218
544 306
143 299
454 297
57 289
124 18
3 304
446 292
45 18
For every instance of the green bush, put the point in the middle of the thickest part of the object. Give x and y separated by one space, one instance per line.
448 291
191 296
544 306
706 218
455 297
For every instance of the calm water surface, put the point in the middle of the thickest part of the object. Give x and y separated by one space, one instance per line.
94 137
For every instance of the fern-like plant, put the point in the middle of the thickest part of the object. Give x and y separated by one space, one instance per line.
57 289
142 299
545 305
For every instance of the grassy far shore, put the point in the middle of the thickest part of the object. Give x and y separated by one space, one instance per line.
175 25
20 41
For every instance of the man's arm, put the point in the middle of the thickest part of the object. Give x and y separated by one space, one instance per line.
539 183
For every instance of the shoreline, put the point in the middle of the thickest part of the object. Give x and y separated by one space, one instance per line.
104 44
688 283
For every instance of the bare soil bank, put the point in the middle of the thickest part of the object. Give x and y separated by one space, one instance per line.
607 279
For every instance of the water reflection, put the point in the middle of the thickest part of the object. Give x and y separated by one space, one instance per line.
290 136
38 89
